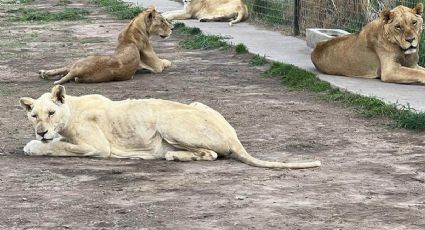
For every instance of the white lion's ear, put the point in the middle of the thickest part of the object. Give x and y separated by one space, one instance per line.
26 103
386 16
419 9
58 94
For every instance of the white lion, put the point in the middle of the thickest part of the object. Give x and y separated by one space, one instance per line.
211 10
93 125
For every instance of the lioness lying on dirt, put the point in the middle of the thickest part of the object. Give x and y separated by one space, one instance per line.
133 52
93 125
211 10
386 48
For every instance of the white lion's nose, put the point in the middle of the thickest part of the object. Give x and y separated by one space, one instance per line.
41 134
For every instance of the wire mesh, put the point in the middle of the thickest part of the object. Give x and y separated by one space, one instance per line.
279 12
347 15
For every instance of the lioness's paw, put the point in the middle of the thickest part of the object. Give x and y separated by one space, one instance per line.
166 62
42 74
33 148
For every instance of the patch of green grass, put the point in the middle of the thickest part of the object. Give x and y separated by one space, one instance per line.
63 3
17 1
299 79
119 8
258 60
68 14
198 40
183 29
241 49
205 42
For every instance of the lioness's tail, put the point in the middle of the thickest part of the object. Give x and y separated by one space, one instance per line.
242 155
242 15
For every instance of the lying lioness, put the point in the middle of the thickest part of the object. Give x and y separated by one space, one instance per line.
93 125
133 52
386 48
211 10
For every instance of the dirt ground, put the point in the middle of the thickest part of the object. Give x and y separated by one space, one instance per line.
372 177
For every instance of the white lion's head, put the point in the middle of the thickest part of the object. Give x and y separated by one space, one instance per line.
49 114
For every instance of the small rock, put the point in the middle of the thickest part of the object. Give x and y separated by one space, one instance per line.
122 211
240 198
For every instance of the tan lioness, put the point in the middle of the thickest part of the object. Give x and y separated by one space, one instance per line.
93 125
386 48
133 52
211 10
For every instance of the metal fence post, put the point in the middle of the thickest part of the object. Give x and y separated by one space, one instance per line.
296 23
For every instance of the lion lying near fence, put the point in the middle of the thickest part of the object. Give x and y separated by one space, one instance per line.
386 48
93 125
211 10
133 52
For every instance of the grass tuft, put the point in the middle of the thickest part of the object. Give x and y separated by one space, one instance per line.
18 1
258 60
198 40
63 3
297 78
204 42
241 49
119 8
68 14
183 29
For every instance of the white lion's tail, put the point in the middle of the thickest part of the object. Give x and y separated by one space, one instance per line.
242 155
242 15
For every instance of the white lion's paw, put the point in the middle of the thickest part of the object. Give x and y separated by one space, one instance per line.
33 148
42 74
169 156
166 62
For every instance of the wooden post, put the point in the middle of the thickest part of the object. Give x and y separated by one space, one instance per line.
296 22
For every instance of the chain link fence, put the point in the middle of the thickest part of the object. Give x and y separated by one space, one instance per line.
350 15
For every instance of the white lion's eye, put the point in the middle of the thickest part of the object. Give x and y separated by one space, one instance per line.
414 23
51 113
34 116
398 27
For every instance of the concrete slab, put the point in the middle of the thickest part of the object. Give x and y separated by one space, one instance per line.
291 50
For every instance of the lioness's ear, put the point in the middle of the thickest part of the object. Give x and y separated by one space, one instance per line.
419 9
149 16
26 103
386 16
152 7
58 94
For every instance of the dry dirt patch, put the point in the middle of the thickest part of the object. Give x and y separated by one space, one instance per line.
372 177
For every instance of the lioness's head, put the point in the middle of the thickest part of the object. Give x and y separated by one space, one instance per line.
156 23
403 26
48 114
